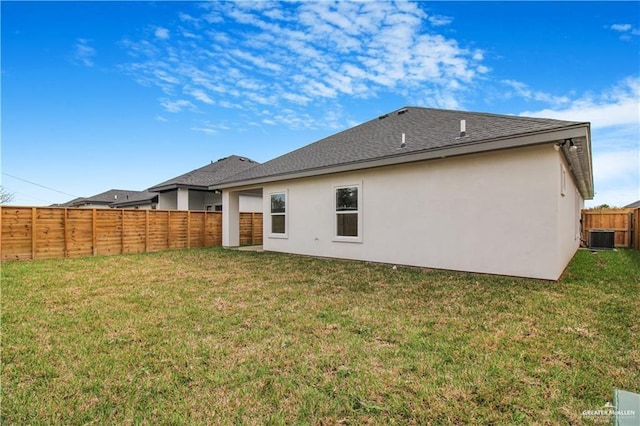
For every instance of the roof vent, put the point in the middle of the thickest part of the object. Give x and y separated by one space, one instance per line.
383 117
402 111
463 128
403 144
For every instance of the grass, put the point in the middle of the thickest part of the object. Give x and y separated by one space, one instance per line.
228 337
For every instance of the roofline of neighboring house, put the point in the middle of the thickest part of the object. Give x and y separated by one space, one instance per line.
132 203
174 186
581 168
90 203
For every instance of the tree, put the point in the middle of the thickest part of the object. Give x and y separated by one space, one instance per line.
6 196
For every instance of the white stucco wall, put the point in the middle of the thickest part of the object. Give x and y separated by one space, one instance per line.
250 203
493 213
570 203
168 200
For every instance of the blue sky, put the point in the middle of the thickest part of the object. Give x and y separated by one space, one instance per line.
101 95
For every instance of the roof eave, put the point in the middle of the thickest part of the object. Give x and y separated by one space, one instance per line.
174 186
581 162
529 139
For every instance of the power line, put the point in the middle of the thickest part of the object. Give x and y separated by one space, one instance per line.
37 184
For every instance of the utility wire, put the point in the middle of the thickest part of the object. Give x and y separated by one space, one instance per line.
37 184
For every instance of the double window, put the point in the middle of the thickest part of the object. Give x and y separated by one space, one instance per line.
279 214
348 217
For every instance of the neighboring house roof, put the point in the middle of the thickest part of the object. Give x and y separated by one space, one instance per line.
429 133
105 198
204 177
633 205
138 199
69 203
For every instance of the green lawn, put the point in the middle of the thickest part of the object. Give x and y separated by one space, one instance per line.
228 337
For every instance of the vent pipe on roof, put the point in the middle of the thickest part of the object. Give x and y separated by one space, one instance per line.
403 144
463 128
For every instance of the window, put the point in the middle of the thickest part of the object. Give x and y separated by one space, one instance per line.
279 214
348 217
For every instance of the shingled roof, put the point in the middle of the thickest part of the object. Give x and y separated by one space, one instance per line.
135 199
209 175
107 198
426 130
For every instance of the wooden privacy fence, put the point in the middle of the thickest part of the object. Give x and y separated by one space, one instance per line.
624 222
29 233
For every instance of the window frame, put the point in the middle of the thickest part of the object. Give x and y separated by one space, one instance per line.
358 212
285 234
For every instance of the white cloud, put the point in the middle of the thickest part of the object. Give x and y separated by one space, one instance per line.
161 33
625 30
83 54
206 130
621 27
617 106
523 90
177 106
615 166
160 118
308 53
200 95
439 20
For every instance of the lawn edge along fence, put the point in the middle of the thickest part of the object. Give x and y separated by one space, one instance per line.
30 233
624 223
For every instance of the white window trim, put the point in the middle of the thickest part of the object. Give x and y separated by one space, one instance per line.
285 214
336 237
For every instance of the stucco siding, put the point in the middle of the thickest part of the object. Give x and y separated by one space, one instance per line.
570 204
167 200
250 203
492 213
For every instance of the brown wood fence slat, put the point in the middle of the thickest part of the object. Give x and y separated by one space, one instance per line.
624 222
636 229
250 229
28 233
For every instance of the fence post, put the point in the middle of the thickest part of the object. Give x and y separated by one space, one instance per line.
253 217
636 228
168 229
34 216
122 231
146 231
65 231
188 229
629 228
94 236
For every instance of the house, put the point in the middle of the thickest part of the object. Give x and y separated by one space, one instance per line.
111 198
430 188
635 205
196 190
142 200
